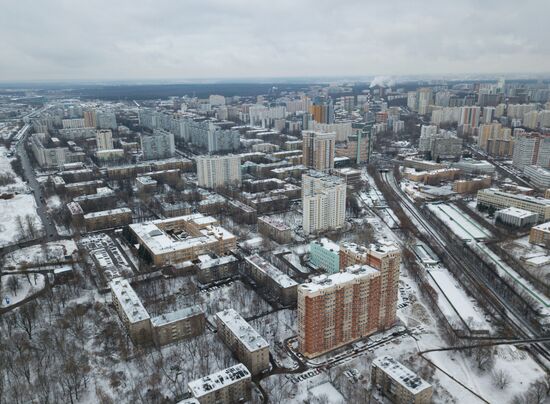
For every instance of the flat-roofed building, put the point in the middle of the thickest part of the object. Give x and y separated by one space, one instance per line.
266 274
516 217
323 202
540 234
275 229
228 386
130 310
107 219
318 150
248 346
335 310
538 176
386 257
398 383
471 166
471 185
495 199
184 323
210 269
325 254
218 171
184 238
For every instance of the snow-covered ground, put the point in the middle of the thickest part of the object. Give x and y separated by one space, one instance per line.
20 209
24 286
455 303
21 205
51 251
458 222
18 185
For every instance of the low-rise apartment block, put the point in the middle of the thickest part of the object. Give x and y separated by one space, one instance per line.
131 311
248 346
274 229
184 323
211 269
398 383
228 386
540 234
107 219
472 185
265 274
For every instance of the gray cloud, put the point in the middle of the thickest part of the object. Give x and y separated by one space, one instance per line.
176 39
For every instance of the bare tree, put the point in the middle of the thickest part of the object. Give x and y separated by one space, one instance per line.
501 379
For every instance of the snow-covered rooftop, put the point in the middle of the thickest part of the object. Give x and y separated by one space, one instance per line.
218 380
174 316
243 331
401 374
516 212
266 267
351 274
129 300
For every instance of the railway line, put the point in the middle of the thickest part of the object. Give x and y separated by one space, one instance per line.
514 320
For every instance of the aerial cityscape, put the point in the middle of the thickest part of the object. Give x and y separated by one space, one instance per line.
199 205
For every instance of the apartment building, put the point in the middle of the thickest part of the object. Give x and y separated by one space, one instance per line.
107 219
183 238
274 229
133 315
336 309
184 323
244 341
495 199
540 234
325 254
323 202
386 257
218 171
531 148
212 268
318 150
104 139
267 275
471 185
398 383
159 145
538 176
228 386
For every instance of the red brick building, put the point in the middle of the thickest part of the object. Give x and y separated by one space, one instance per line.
343 307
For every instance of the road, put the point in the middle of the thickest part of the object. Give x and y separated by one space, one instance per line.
30 177
515 320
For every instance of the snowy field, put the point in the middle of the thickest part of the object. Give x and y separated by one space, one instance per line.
15 288
21 206
275 328
18 185
52 251
455 301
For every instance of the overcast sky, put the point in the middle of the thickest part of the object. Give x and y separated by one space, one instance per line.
179 39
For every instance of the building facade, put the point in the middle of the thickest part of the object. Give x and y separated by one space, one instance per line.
248 346
398 383
218 171
323 202
318 150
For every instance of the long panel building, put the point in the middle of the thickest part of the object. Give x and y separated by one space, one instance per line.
245 342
